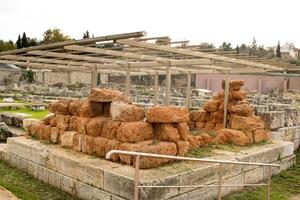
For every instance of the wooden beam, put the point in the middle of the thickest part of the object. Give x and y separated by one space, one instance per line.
226 98
197 54
155 88
127 82
168 85
76 42
188 89
94 78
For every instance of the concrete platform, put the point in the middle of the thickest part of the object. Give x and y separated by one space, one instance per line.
89 177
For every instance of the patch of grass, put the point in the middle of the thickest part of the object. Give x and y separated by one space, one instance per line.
26 187
34 114
284 185
201 152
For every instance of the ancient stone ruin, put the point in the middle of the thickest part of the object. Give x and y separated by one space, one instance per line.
108 120
243 126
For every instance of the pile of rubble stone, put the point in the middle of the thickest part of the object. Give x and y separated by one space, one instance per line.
108 120
244 127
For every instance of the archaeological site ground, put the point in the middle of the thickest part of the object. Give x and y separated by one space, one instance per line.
126 116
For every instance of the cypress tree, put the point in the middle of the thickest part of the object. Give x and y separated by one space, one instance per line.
24 40
19 43
278 53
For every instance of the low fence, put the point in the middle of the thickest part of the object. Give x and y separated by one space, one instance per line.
138 155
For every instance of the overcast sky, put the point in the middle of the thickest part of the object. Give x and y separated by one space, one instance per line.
235 21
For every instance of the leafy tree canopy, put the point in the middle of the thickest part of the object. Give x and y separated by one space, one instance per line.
54 35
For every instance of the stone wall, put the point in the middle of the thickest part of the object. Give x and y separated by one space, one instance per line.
9 76
49 78
253 82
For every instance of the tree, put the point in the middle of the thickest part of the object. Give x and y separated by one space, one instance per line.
237 49
19 42
24 40
32 42
54 35
86 34
278 52
5 46
226 46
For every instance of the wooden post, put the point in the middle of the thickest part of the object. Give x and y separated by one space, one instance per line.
188 89
137 178
285 85
69 73
207 83
43 77
155 88
168 85
127 81
94 78
220 181
226 92
269 183
259 87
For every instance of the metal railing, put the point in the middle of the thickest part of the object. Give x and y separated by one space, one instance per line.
138 155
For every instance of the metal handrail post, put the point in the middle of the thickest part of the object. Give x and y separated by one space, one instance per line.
137 177
220 181
269 183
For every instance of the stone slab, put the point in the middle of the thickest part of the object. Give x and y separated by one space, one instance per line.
78 173
291 134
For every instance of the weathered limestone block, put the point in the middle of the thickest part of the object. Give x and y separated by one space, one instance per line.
260 109
54 135
246 124
235 137
133 132
110 129
273 119
74 123
260 135
292 117
62 107
28 121
87 144
82 123
77 142
183 130
126 112
165 148
198 140
107 95
52 107
211 106
199 116
242 110
67 139
100 144
7 118
234 85
237 95
182 148
95 126
63 121
113 145
166 132
74 107
48 118
278 106
167 114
